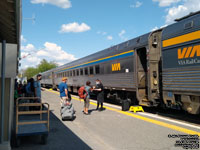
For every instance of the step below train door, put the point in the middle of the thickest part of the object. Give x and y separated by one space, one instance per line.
141 76
154 67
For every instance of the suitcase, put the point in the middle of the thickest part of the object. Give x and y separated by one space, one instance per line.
67 112
125 105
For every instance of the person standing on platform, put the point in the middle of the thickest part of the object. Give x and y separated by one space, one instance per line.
100 94
64 94
30 90
37 86
88 89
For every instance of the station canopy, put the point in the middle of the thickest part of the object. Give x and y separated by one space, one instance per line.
10 21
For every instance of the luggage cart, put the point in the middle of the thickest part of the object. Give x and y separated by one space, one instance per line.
31 122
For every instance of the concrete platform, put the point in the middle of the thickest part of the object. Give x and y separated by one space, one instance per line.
110 129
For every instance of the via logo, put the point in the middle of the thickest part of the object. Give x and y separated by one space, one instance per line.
189 52
116 67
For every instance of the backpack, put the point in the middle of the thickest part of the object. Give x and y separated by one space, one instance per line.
82 93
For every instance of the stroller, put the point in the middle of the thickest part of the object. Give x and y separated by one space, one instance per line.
67 111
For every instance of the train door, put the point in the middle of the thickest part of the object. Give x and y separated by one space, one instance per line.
154 68
141 72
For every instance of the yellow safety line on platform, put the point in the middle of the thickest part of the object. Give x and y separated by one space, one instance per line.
160 123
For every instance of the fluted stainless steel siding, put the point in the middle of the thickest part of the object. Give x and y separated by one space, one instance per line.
182 79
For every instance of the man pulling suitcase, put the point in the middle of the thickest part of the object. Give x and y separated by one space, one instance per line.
67 109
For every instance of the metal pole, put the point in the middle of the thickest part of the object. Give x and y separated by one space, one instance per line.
3 63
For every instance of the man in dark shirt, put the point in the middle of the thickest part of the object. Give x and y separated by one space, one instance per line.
100 94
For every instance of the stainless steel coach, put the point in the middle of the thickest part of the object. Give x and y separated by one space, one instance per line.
158 68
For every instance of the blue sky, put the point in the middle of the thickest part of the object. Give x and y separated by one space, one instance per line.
65 30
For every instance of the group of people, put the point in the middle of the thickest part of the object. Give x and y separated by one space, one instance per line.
31 89
98 90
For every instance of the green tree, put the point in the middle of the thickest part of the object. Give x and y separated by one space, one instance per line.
30 72
44 66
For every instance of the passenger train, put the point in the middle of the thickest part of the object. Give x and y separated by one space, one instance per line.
160 68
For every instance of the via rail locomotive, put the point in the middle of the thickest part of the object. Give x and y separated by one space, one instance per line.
157 68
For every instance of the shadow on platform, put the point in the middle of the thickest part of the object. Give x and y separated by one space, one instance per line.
60 138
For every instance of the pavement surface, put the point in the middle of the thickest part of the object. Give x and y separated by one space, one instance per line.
111 129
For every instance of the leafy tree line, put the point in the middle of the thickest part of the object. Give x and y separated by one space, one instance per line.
42 67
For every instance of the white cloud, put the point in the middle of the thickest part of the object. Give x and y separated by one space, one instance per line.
121 35
55 52
164 3
28 48
109 37
50 52
74 27
101 32
163 26
181 10
24 55
104 34
35 60
23 39
136 5
59 3
155 28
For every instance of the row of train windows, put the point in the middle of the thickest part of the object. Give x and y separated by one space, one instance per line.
83 71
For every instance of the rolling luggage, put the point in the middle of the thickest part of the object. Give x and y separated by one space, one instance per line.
125 105
67 112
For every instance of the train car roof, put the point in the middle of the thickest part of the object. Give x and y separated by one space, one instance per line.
132 44
183 25
48 71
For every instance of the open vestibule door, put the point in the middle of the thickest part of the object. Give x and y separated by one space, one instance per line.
148 71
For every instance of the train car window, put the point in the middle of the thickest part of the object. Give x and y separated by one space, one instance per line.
188 25
86 71
70 73
77 72
67 73
91 70
81 71
74 73
97 69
